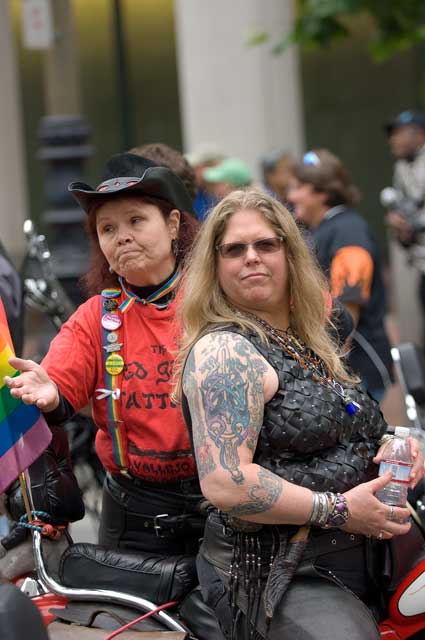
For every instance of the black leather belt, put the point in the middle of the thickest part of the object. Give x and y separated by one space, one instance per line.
162 524
128 481
219 539
165 526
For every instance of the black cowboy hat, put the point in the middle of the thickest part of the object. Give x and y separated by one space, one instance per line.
128 172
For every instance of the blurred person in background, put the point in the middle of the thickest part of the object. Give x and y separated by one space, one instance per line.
276 171
166 156
406 218
201 159
230 174
324 199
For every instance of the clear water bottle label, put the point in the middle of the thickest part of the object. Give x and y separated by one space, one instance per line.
400 471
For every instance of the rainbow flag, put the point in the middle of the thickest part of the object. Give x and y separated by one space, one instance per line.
24 434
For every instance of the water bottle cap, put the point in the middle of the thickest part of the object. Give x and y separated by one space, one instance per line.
402 432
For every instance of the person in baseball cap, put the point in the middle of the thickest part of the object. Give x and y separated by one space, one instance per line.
406 138
406 118
406 134
230 174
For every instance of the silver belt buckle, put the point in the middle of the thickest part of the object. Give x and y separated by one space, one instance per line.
157 526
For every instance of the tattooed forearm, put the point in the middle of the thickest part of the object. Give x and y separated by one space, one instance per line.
262 496
232 398
204 459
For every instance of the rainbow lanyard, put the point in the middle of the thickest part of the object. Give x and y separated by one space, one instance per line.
152 299
111 392
113 364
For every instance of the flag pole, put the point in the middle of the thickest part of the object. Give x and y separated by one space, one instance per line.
26 493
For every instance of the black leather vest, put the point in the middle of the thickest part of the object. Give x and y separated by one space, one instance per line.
308 437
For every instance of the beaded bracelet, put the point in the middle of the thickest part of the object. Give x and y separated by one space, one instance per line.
339 513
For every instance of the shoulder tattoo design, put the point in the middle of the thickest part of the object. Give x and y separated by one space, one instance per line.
232 398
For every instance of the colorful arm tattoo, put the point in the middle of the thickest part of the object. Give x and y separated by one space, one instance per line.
228 383
204 459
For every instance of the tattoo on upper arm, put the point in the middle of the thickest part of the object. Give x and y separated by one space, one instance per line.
262 496
204 458
232 397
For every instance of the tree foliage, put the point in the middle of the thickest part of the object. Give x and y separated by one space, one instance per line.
396 25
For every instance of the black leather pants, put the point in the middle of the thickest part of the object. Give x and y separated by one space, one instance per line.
317 604
128 516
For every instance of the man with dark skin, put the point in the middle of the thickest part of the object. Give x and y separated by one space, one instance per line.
406 137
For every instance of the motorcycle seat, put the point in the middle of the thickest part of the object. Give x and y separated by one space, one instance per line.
155 577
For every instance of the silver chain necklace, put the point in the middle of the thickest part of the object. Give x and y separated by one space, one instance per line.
295 348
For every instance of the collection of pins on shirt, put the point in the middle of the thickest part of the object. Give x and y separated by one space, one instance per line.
111 321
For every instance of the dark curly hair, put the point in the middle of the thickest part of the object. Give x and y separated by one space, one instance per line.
328 176
98 276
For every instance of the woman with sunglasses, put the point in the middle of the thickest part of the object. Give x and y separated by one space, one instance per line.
324 199
285 439
116 352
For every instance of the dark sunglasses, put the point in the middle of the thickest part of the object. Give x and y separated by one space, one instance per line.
239 249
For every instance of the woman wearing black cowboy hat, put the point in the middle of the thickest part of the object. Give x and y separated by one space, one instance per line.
117 350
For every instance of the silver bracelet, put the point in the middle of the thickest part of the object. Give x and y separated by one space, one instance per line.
314 509
322 507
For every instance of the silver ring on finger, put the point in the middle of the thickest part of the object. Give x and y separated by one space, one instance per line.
380 535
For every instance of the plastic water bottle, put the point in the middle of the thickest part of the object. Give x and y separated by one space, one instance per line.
397 458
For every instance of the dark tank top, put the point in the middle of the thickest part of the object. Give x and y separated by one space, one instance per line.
307 436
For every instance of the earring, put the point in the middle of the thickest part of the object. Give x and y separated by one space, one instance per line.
174 246
111 269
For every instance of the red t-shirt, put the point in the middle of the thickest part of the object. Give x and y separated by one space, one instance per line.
158 440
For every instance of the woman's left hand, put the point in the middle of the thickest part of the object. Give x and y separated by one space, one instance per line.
418 470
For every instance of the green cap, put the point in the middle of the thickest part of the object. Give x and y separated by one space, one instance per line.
231 170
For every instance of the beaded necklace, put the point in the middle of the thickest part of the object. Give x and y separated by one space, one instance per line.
306 358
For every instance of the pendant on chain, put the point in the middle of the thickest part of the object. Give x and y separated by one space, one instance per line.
308 361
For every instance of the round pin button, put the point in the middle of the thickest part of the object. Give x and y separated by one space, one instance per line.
110 304
112 337
111 293
111 321
114 364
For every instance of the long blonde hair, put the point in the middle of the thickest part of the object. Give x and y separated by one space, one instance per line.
203 304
